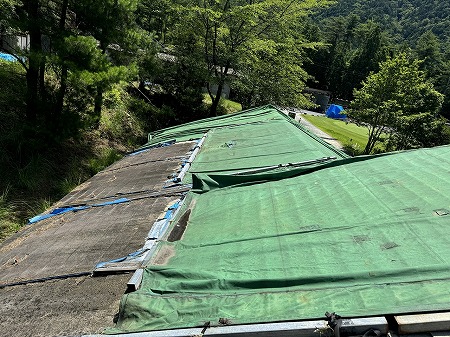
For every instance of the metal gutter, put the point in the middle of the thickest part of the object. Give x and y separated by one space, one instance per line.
349 327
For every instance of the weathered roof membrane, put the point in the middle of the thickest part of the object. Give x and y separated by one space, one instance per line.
277 228
45 283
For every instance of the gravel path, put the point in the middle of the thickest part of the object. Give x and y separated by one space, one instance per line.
325 136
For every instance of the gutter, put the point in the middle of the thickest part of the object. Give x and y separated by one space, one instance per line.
349 327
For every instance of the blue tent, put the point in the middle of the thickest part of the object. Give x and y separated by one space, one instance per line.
334 111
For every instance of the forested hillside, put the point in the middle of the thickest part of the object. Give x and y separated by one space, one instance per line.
403 19
87 74
358 35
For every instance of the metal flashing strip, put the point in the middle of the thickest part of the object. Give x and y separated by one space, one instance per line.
349 327
135 260
187 164
135 281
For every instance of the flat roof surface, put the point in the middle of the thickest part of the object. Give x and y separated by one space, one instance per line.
278 226
59 248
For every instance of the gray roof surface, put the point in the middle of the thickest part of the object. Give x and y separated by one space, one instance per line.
64 249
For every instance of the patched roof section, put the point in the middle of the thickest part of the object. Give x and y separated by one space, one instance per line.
55 256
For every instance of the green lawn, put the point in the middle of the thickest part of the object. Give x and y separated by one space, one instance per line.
226 104
351 136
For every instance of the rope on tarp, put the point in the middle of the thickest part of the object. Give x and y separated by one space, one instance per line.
297 164
44 279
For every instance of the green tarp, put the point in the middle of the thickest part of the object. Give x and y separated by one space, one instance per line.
357 236
251 146
252 118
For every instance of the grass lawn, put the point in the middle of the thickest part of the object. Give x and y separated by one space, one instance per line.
226 104
351 136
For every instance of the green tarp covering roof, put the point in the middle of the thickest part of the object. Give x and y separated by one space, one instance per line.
250 146
357 236
254 117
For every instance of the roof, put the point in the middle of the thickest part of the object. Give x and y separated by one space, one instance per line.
45 276
362 237
243 219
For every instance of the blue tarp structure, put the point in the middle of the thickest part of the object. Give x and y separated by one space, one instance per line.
7 57
334 111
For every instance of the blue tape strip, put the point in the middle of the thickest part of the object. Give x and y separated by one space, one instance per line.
121 259
175 205
62 210
168 214
117 201
39 218
163 144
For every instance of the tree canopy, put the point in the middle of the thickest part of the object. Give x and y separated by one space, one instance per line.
241 42
400 102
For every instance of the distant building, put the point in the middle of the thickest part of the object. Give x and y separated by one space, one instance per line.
12 43
321 97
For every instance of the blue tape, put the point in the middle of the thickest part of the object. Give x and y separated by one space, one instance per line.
168 214
121 259
175 205
163 144
39 218
113 202
62 210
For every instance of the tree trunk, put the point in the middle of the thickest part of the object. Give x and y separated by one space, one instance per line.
216 100
32 76
370 142
64 71
42 93
222 78
61 93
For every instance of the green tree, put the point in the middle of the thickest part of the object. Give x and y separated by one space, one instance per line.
428 49
221 34
400 102
112 24
271 73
